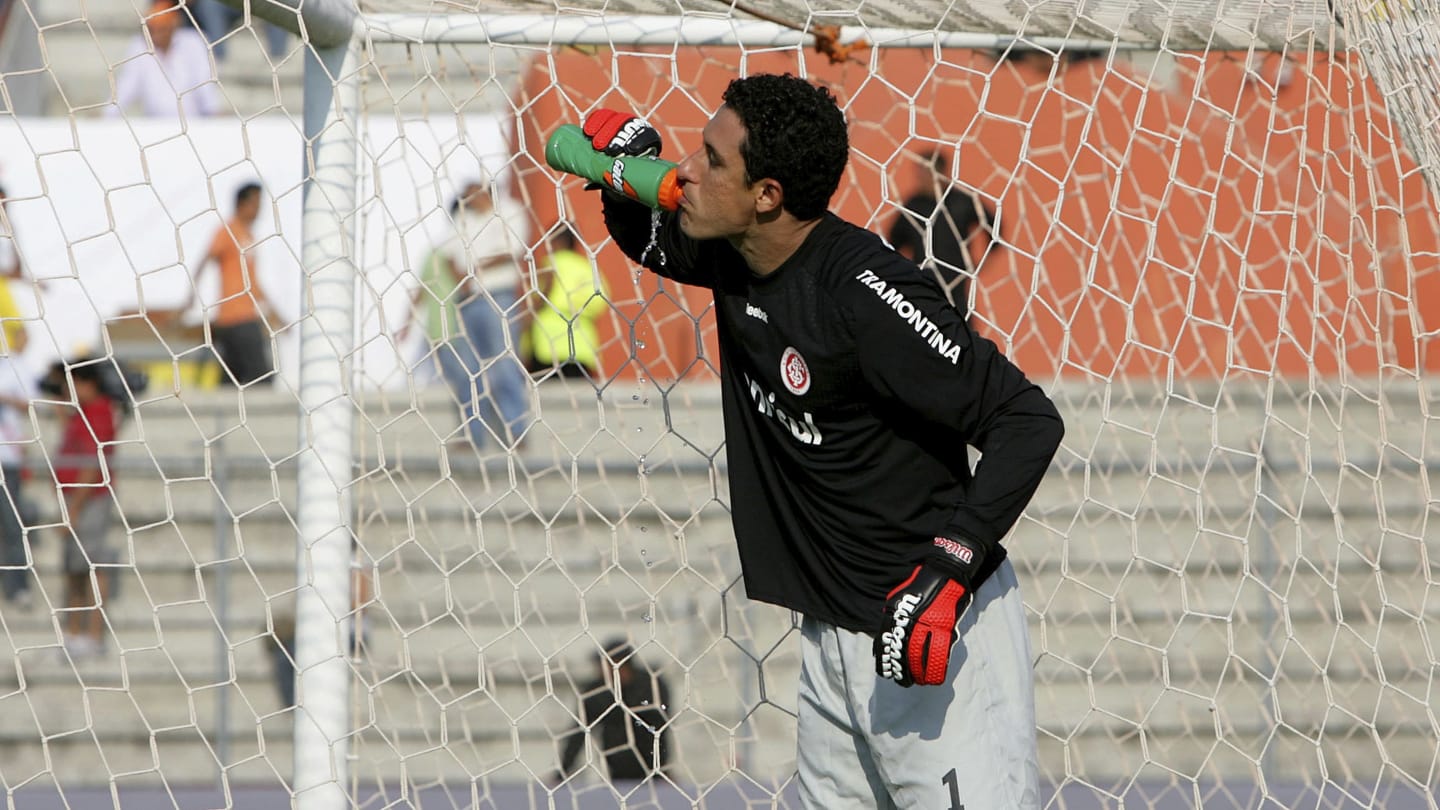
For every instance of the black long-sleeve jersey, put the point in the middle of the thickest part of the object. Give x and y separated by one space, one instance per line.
851 390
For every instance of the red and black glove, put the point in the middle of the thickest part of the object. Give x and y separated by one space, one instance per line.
914 643
621 133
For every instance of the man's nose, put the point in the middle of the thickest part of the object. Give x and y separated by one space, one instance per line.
685 172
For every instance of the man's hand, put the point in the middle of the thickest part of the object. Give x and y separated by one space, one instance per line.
914 644
621 133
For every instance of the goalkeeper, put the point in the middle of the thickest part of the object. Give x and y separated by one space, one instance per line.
851 392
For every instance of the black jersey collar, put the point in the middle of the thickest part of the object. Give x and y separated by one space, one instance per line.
817 236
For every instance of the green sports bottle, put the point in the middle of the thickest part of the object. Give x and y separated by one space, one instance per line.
650 180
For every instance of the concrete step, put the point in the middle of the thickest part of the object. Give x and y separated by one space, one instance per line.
101 15
400 447
487 719
1189 458
526 506
581 537
411 428
181 526
1115 762
1229 422
81 43
264 756
1235 504
704 638
1147 427
1145 605
1185 649
186 758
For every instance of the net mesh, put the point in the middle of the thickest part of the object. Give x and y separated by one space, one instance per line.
1218 260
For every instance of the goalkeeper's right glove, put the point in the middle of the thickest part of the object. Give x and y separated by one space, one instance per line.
620 133
914 644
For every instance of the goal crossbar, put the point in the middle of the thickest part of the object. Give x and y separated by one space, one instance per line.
641 30
1182 26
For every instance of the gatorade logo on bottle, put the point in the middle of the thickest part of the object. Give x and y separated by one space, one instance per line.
616 178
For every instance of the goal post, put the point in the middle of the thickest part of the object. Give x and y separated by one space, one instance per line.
324 601
1213 239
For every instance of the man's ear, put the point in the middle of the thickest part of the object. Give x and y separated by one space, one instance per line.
769 197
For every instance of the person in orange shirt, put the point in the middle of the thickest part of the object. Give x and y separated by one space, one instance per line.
239 328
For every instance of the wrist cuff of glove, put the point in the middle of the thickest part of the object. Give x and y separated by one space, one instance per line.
960 557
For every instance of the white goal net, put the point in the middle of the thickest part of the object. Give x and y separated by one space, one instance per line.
1208 231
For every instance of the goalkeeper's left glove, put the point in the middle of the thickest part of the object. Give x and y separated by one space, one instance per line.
621 133
914 644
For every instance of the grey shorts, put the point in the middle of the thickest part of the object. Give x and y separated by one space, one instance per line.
867 742
88 541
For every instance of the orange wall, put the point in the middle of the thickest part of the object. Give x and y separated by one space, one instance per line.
1202 233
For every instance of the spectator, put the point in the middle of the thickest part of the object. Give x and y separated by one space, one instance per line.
16 392
436 301
941 236
628 718
486 252
563 335
239 327
217 20
171 74
86 485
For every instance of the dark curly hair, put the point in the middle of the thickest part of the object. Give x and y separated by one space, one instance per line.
795 134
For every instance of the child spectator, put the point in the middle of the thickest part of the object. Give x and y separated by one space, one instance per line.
85 480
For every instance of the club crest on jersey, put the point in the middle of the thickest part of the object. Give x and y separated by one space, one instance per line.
794 372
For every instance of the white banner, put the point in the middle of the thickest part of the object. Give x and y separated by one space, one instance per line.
115 215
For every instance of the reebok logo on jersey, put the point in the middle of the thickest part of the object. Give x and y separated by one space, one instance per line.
894 639
794 372
911 314
756 312
804 430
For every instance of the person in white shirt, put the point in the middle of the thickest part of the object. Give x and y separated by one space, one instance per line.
168 74
487 250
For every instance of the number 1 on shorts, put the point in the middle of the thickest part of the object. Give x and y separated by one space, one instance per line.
950 780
